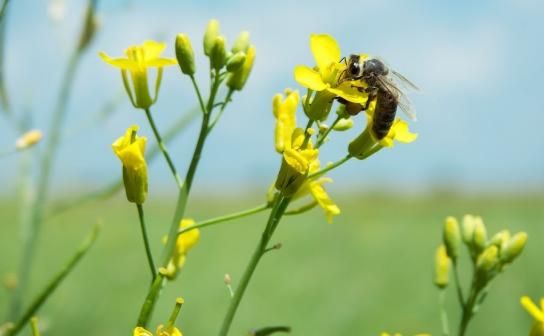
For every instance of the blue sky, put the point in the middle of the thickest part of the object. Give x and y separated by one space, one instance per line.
479 64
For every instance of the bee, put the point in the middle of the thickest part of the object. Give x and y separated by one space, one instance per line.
383 85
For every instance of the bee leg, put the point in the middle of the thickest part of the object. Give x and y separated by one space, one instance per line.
371 97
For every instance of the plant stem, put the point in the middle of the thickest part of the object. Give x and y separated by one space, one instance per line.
54 282
443 313
146 242
468 309
280 205
457 281
330 167
307 134
224 218
51 145
323 137
163 149
181 202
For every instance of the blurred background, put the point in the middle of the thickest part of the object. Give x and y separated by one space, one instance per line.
480 150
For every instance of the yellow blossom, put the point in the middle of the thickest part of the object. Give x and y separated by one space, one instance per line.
184 243
314 187
28 139
138 60
399 131
130 150
285 110
161 331
537 313
297 163
324 78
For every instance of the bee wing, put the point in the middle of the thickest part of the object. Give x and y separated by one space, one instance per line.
403 102
405 82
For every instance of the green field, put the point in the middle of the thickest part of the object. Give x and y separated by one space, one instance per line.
369 271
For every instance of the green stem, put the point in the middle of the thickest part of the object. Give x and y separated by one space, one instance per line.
198 94
307 134
115 186
443 313
280 205
330 167
457 281
163 149
218 116
224 218
150 299
51 145
181 202
146 242
323 137
54 283
301 209
468 307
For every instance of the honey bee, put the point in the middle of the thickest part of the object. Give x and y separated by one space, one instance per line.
383 85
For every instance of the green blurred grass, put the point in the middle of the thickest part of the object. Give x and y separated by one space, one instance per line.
369 271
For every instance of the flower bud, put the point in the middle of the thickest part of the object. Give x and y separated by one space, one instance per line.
468 228
341 111
479 239
227 279
241 43
452 237
90 27
513 248
343 125
28 139
218 57
236 80
236 61
361 146
212 31
488 259
500 238
442 265
293 172
185 54
130 150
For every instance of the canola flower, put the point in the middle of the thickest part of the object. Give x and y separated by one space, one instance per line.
537 313
184 243
139 58
163 330
130 150
298 162
323 79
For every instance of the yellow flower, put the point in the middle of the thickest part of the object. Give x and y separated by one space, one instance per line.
296 164
285 110
184 243
28 139
537 313
130 150
314 187
138 60
173 331
324 79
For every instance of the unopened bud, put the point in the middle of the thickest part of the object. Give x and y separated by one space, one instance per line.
185 54
310 131
452 237
442 265
500 238
479 238
343 125
238 79
513 248
341 111
212 31
236 61
241 43
488 259
468 228
28 139
323 128
218 57
227 279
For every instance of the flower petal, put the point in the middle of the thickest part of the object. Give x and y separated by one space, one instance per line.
532 309
309 78
325 50
350 93
122 63
161 62
402 133
152 49
323 199
139 331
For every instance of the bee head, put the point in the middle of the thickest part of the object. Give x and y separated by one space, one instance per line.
355 68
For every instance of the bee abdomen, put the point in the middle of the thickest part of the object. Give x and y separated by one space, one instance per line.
384 115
